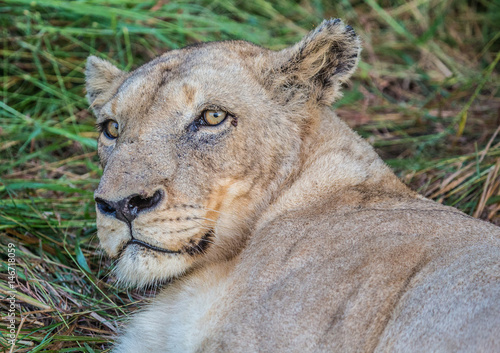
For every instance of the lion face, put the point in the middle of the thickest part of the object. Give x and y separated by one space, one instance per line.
195 143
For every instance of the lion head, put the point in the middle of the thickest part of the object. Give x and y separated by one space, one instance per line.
196 143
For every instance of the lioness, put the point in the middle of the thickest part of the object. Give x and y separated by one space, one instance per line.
281 230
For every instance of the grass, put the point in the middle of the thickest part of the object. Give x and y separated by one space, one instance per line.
426 96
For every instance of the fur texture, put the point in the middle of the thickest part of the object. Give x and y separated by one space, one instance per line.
280 229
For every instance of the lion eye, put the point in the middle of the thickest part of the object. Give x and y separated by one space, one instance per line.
214 117
111 129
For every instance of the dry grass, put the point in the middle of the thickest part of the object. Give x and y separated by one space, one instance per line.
426 95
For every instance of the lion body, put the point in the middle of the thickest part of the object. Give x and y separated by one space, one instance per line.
359 271
315 244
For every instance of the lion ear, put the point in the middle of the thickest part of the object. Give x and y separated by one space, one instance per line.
101 77
319 63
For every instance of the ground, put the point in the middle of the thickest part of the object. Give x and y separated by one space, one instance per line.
426 95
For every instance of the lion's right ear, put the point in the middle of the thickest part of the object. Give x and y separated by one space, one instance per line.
101 78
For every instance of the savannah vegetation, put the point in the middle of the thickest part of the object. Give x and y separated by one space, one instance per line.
426 95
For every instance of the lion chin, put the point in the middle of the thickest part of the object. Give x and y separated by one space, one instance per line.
140 267
141 264
270 224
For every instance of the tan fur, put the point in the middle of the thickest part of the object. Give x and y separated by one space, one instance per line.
316 245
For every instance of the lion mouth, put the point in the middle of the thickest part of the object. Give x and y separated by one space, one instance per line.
152 247
193 248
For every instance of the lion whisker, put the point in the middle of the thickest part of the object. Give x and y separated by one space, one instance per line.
211 220
219 212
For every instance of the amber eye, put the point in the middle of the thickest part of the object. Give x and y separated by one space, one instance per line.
214 117
111 129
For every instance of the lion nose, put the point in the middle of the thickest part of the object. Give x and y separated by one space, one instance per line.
128 208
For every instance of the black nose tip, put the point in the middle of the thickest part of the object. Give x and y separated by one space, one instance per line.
128 208
105 207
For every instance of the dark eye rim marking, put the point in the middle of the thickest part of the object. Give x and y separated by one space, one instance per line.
201 121
204 119
103 128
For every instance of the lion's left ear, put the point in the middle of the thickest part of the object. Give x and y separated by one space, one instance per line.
101 79
319 63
